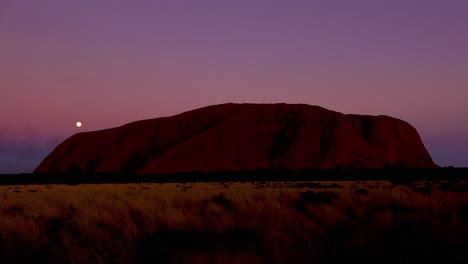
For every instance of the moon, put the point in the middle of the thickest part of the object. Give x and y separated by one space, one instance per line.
78 124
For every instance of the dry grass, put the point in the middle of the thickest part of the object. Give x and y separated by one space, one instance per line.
273 222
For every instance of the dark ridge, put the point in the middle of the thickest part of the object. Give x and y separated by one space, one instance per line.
397 176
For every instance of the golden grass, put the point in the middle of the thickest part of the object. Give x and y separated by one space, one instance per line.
273 222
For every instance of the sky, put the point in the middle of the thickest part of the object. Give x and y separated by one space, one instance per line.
107 63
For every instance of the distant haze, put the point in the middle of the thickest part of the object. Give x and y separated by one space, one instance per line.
107 63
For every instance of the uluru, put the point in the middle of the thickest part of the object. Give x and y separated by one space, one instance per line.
235 137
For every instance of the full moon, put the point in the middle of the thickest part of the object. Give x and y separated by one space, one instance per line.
78 124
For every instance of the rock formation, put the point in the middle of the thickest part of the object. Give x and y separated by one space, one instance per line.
232 137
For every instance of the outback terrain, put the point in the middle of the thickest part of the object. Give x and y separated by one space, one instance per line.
235 222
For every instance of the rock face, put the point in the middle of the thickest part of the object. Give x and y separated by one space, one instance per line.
235 137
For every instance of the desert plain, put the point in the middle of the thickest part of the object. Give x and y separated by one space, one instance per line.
235 222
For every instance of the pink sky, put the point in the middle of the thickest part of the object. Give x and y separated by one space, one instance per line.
107 63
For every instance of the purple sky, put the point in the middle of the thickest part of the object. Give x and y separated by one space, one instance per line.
107 63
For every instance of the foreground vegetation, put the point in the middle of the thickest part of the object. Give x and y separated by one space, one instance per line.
257 222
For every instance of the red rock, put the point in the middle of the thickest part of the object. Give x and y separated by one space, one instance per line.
244 137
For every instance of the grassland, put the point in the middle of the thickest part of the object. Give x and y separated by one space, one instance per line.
226 222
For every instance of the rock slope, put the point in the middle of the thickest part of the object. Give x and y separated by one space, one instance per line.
236 137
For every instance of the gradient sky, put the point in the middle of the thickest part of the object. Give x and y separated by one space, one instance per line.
107 63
